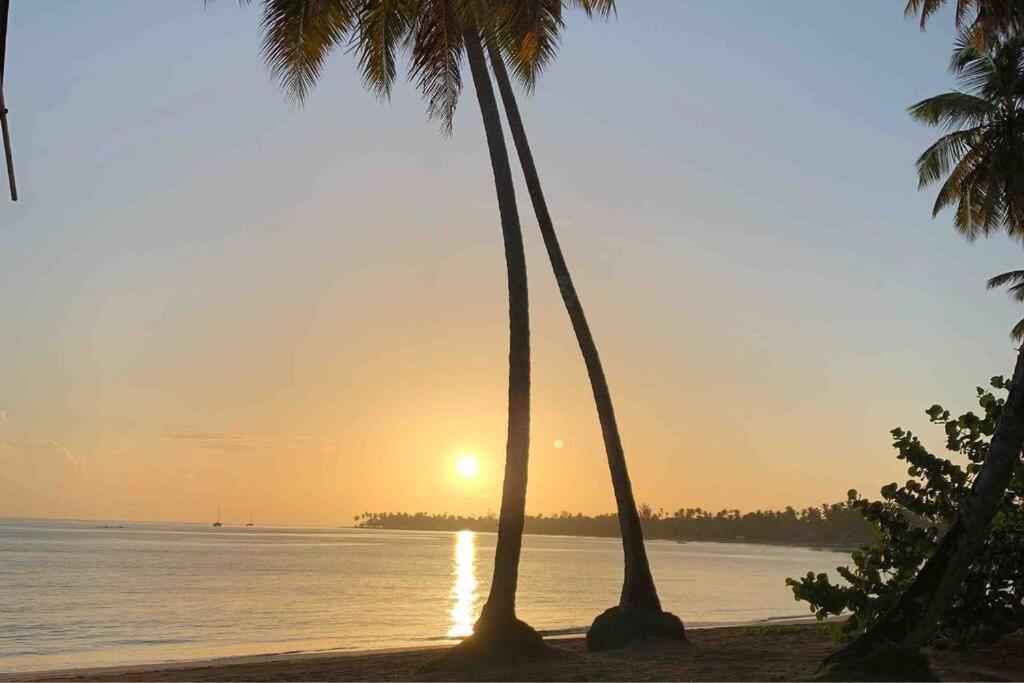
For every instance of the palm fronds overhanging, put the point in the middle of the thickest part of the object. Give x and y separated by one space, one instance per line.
980 158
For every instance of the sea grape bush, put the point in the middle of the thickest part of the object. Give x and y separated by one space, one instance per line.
910 519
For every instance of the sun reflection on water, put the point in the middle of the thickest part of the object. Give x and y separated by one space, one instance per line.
463 593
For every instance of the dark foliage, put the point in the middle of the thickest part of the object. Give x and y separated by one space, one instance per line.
829 525
911 520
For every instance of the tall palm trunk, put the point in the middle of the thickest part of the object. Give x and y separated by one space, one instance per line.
913 620
638 591
500 609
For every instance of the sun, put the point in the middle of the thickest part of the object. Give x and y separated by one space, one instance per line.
468 466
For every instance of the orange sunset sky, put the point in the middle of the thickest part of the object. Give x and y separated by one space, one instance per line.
210 296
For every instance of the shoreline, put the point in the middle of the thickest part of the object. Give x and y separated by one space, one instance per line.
557 636
834 547
765 652
108 524
211 662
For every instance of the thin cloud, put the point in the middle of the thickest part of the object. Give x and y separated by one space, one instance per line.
248 443
45 454
203 436
76 463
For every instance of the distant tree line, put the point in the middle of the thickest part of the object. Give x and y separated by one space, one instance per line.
837 524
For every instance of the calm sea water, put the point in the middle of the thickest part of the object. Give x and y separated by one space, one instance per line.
75 594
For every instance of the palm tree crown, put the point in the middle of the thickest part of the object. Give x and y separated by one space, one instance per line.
981 157
298 35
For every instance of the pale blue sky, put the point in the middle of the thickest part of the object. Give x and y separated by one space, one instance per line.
321 289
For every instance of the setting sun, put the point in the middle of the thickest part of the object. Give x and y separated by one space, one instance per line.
467 466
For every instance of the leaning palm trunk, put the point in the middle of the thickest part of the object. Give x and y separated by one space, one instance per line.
639 595
8 155
5 7
913 620
498 633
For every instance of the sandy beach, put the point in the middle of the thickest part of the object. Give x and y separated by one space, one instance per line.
748 653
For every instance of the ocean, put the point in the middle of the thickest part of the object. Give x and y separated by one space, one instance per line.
78 593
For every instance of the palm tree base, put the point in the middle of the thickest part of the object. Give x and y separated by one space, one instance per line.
618 626
884 664
494 642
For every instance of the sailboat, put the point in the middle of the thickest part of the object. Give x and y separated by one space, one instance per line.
217 523
250 519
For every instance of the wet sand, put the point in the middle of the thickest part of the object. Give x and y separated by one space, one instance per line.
747 653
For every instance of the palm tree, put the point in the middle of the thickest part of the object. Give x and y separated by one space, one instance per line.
298 35
639 612
981 157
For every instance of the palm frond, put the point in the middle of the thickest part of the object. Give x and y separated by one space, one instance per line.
952 110
983 20
1014 276
988 72
436 37
964 10
529 33
1017 292
298 35
937 161
953 189
997 18
923 8
973 66
599 8
382 27
1017 333
975 186
1016 279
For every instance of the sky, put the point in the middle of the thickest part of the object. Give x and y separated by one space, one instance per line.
210 296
